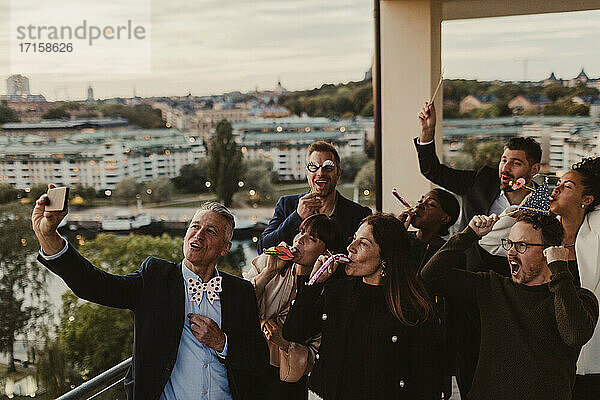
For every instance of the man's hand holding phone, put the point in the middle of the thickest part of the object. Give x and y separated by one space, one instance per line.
45 221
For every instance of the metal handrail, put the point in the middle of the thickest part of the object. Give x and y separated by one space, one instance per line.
98 381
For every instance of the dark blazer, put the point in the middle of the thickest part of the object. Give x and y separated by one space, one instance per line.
402 362
286 221
479 189
156 295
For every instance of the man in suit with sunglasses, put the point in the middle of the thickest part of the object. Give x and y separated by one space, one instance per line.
323 170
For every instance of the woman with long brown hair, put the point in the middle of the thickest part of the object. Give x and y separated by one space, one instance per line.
379 335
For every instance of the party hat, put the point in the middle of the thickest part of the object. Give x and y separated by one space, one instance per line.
539 202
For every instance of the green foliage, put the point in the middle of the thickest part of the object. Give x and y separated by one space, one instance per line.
225 163
343 100
192 177
37 190
87 193
578 110
59 112
161 187
141 115
351 165
488 153
583 90
259 176
53 370
555 91
7 193
127 189
22 279
365 178
7 114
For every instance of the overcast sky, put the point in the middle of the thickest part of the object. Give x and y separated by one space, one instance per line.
214 46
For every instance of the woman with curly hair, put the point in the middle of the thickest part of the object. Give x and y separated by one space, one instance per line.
380 339
575 200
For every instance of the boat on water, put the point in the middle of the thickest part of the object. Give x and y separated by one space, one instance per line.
126 222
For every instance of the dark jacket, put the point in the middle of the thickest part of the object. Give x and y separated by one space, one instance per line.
286 221
156 295
401 362
479 189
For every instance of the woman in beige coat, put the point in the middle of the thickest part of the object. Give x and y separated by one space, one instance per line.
275 283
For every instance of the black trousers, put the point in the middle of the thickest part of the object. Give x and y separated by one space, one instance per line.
587 387
278 390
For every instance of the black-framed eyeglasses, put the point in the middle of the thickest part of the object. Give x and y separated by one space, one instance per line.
520 247
328 166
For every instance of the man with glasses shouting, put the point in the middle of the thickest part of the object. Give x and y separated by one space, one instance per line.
323 170
534 323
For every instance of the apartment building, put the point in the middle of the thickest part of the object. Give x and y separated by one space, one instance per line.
100 159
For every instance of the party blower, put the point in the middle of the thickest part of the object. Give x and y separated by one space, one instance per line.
282 252
404 202
336 257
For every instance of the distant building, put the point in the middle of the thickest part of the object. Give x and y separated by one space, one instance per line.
472 102
565 143
552 80
100 159
582 78
533 103
284 141
17 85
90 95
55 128
17 88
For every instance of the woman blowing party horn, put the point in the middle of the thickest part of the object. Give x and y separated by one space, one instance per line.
276 275
379 335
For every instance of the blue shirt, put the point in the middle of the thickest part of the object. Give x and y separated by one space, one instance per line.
197 373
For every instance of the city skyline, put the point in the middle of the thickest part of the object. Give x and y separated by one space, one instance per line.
208 48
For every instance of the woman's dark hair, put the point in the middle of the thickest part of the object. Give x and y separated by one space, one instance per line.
450 206
324 228
552 230
405 294
589 168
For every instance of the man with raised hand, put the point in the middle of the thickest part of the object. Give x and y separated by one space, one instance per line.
534 323
484 191
323 170
196 333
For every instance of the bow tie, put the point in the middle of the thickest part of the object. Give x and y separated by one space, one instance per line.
197 287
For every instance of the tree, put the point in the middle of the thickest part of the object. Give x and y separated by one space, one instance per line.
7 193
365 178
192 177
578 110
225 163
351 165
22 279
56 113
259 176
488 154
92 338
127 189
86 193
37 190
554 92
7 114
161 190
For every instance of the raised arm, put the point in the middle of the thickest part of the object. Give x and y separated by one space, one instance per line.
457 181
441 272
83 278
576 309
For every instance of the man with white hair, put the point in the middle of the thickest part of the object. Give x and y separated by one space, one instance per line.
196 333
